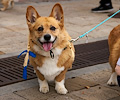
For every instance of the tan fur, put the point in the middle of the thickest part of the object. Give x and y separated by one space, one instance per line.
114 46
6 3
34 20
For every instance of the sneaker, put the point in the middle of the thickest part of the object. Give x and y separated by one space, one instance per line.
105 8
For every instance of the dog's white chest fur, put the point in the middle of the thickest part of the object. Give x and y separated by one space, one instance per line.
50 69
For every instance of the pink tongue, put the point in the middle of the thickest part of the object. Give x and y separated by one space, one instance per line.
47 46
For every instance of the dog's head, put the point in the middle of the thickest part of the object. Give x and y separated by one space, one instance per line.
46 32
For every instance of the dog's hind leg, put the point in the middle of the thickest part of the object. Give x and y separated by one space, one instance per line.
113 77
12 3
113 58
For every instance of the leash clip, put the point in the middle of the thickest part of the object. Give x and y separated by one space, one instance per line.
73 40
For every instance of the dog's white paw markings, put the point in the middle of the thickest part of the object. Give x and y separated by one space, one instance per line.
61 90
44 89
113 79
2 9
112 82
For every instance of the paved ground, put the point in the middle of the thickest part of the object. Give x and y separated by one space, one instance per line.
78 19
95 77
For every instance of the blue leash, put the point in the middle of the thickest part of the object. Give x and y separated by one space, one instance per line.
25 67
73 40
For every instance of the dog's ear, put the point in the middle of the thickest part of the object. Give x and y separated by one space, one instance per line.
57 13
31 14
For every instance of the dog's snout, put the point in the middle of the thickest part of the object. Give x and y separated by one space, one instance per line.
47 37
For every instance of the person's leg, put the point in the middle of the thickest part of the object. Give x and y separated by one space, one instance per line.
118 79
105 6
105 2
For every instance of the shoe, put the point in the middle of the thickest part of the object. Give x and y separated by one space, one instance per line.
105 8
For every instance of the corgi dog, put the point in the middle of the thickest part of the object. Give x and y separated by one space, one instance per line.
6 3
49 40
114 48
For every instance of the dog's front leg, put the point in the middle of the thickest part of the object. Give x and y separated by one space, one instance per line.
44 88
5 4
59 83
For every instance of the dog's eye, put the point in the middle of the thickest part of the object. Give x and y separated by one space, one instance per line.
40 29
52 28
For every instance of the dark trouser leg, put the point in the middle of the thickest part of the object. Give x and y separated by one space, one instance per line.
118 79
104 2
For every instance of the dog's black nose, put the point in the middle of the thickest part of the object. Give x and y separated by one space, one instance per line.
47 37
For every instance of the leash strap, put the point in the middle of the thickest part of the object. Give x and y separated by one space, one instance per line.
73 40
29 53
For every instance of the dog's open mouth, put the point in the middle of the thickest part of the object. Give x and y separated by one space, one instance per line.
47 46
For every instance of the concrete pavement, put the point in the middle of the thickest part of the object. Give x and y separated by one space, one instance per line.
95 77
78 19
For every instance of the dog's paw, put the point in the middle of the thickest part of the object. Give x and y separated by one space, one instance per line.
61 90
113 79
112 82
2 9
44 89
